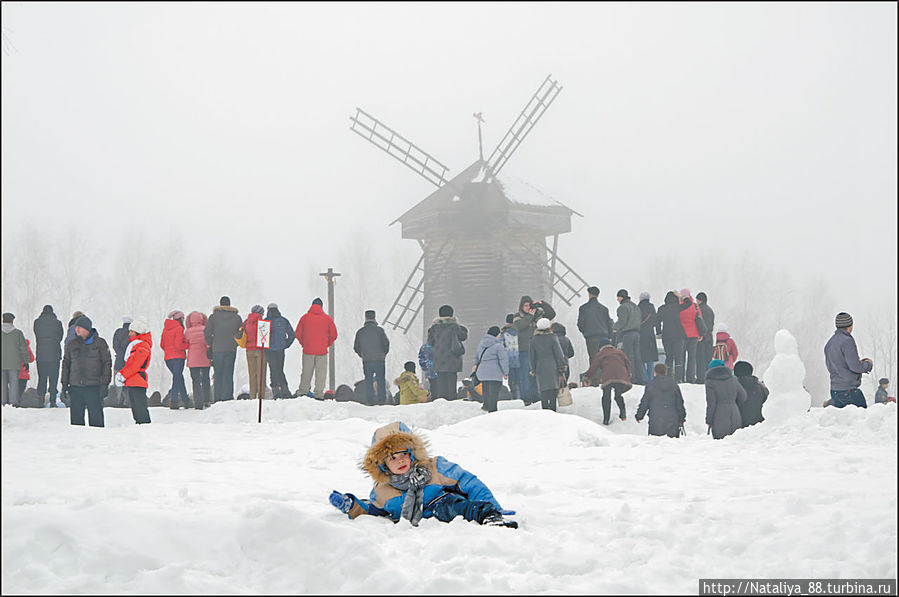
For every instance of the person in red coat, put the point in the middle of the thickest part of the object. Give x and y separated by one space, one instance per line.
725 348
134 374
198 359
315 332
174 348
688 314
24 374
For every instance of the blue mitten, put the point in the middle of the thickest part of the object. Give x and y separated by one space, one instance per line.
341 501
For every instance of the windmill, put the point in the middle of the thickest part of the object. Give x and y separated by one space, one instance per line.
483 237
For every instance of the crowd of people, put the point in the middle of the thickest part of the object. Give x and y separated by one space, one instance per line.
526 357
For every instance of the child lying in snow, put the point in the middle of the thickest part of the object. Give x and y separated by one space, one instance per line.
412 485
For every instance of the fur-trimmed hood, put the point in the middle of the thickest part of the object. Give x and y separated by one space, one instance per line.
386 440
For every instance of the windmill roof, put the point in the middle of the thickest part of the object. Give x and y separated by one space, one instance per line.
515 190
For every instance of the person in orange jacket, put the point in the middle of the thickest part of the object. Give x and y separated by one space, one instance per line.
133 376
315 332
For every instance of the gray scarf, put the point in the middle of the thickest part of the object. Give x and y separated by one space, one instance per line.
412 482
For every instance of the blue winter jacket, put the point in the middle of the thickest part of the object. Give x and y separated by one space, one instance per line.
447 478
282 335
492 359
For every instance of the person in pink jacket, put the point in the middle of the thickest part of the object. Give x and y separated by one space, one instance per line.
198 359
174 348
725 348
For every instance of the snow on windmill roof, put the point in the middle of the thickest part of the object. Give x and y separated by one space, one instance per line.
524 193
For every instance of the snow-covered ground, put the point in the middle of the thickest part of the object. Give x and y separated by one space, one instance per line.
213 502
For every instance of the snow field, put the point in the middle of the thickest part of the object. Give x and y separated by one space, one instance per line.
212 502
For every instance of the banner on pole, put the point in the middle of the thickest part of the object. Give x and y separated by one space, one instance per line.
263 333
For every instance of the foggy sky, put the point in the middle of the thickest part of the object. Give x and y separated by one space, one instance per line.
681 128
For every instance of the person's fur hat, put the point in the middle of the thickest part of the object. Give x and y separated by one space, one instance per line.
393 437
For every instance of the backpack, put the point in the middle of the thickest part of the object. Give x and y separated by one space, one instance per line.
720 351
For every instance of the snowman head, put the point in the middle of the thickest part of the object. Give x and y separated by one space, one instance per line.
785 343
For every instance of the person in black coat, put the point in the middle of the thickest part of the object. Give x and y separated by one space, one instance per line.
673 335
594 322
649 327
723 396
707 341
565 344
446 336
756 394
663 401
120 342
372 345
48 334
86 373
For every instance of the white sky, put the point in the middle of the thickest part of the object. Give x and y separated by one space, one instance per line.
760 127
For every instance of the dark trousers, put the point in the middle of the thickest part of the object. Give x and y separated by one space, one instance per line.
690 359
491 393
607 401
275 359
630 346
374 372
703 356
81 397
199 377
47 378
674 357
178 391
138 398
593 344
841 398
445 385
526 381
514 386
548 399
224 375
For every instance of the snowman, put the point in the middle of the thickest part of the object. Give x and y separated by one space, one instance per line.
784 380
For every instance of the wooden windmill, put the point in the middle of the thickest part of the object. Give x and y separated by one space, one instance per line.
483 237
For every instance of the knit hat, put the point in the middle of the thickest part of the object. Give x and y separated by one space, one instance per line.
225 301
882 381
176 314
716 363
8 317
127 319
644 296
742 369
257 309
684 292
139 326
722 327
843 320
273 305
84 322
47 309
370 314
543 324
445 311
510 318
701 296
493 331
593 290
317 301
409 366
622 293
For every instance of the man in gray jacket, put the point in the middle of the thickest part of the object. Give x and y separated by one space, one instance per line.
372 346
220 330
841 358
627 329
14 352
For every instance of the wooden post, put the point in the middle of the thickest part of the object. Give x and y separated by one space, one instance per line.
263 341
330 275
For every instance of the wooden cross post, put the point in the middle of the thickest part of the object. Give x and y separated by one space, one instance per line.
330 275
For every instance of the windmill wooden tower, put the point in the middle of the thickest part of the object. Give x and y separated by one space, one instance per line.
483 237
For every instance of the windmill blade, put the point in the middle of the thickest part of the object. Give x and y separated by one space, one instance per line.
368 127
410 299
529 116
